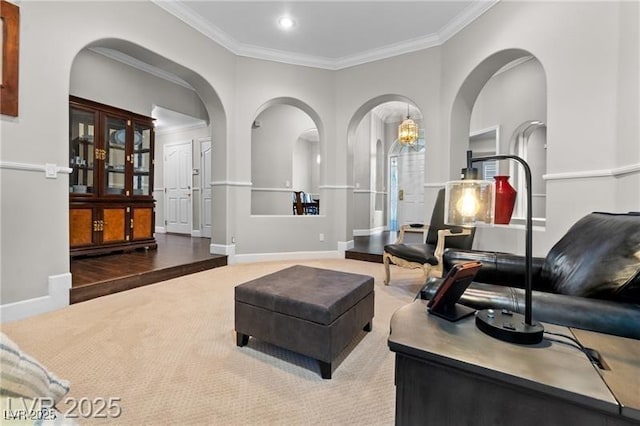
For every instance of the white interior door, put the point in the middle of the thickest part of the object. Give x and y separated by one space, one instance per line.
178 164
411 188
205 173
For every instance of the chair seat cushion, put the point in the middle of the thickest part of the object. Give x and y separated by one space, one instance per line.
418 253
313 294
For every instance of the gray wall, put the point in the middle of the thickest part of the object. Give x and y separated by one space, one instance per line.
272 148
101 79
589 52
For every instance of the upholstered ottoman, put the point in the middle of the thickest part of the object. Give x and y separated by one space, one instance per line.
315 312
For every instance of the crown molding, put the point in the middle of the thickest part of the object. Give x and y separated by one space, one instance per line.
467 16
142 66
189 17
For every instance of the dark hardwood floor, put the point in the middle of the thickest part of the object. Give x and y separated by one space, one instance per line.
371 248
176 255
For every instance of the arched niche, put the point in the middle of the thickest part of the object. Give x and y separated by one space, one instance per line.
286 156
465 100
372 133
513 103
128 53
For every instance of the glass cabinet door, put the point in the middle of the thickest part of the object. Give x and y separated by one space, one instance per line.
142 159
82 125
115 137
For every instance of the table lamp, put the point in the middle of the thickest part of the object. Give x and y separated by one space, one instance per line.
469 202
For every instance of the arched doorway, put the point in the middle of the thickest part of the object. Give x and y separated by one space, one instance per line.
375 155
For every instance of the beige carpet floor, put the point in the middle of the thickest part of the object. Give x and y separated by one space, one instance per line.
168 351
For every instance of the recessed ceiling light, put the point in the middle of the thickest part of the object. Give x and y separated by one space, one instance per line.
286 22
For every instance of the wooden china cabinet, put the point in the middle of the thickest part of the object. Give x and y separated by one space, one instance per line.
111 204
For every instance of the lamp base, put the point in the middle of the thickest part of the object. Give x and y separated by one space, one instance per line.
509 327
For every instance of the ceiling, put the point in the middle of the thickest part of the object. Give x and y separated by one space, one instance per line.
327 34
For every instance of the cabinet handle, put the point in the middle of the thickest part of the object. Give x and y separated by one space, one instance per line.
131 223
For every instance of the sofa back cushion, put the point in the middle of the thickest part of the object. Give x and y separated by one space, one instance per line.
598 257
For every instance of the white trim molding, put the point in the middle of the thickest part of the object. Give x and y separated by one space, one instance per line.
193 19
160 230
344 246
294 255
228 249
58 297
50 170
368 232
229 183
336 187
617 172
435 185
272 189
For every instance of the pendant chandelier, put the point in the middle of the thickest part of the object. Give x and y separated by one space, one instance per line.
408 131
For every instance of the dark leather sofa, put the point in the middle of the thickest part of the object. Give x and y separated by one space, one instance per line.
590 279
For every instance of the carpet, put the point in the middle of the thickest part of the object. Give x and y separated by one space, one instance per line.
168 352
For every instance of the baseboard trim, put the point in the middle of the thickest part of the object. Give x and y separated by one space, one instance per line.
228 249
160 230
58 297
344 246
196 233
297 255
368 232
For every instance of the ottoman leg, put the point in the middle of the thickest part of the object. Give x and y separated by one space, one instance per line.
241 339
325 369
368 327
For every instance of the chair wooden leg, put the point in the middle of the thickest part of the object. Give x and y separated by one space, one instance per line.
426 269
385 260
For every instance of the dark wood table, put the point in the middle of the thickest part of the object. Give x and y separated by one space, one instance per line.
450 373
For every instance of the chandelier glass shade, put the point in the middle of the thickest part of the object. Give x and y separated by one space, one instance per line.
408 131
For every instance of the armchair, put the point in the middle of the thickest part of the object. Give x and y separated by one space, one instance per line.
590 279
428 255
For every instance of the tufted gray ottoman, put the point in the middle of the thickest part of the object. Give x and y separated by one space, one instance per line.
312 311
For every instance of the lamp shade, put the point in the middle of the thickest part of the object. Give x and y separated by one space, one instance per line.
469 202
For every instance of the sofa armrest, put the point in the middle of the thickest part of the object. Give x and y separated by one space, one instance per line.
603 316
499 268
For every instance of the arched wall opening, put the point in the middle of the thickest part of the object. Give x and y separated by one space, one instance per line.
465 100
509 116
371 134
197 98
286 155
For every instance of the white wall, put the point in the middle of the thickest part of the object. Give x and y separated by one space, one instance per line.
589 52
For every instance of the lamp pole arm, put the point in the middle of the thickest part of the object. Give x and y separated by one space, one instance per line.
529 225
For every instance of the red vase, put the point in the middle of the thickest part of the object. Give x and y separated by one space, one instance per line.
505 200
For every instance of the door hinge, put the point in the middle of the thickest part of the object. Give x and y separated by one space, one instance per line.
165 223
